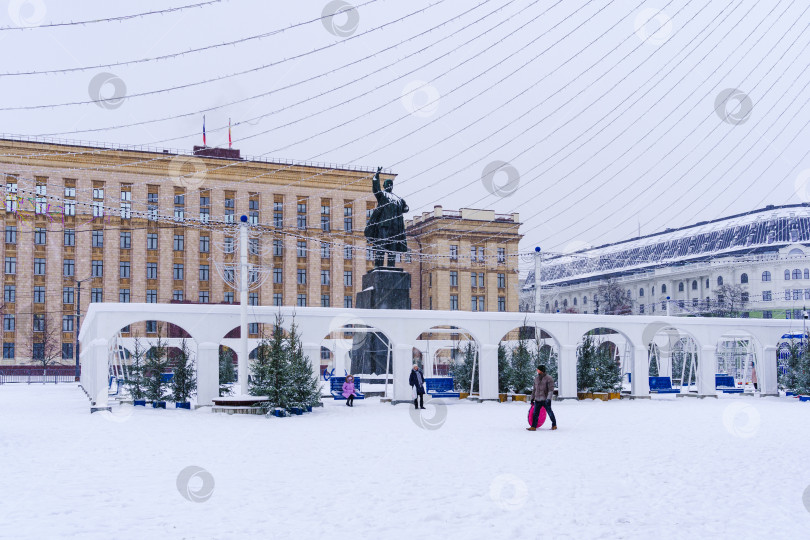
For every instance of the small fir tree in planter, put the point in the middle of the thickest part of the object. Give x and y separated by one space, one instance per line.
184 382
503 370
463 369
156 364
270 369
522 367
135 383
227 374
586 363
546 357
607 375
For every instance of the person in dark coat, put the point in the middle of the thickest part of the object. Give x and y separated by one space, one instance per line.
417 381
348 390
542 393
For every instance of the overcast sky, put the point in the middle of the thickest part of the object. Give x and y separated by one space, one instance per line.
611 125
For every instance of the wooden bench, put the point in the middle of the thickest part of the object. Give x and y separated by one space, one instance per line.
725 383
440 387
662 385
336 387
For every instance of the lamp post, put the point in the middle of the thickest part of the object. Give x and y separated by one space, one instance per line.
78 317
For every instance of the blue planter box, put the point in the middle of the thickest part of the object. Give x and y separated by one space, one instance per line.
184 405
296 410
804 398
309 408
788 394
140 403
279 412
158 404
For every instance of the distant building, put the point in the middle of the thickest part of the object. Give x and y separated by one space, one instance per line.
469 260
765 252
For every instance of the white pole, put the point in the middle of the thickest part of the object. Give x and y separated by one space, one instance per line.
387 367
243 301
537 296
472 378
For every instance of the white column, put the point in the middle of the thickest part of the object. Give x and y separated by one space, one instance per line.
402 366
640 385
488 373
766 372
707 369
567 372
207 373
98 356
313 352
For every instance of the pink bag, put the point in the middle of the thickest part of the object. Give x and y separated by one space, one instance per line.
540 419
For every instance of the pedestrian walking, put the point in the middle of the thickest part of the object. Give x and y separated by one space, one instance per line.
542 393
417 381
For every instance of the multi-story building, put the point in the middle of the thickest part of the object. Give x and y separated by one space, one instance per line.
468 260
763 254
104 224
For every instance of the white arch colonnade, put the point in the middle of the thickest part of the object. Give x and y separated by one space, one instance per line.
208 324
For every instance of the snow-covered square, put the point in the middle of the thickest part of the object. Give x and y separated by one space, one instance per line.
734 467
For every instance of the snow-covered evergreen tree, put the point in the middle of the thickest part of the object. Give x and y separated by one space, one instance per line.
184 381
305 385
586 363
462 368
503 369
135 372
157 362
607 375
522 367
227 374
545 356
797 376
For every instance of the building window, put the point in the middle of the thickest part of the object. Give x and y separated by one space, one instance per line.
663 289
67 351
202 297
67 295
787 275
797 294
228 297
641 291
695 285
301 249
39 236
253 328
787 294
10 293
278 248
347 219
123 269
767 314
347 278
8 351
301 218
641 309
584 300
301 300
575 300
473 280
680 286
744 296
69 237
151 241
151 327
453 278
204 272
806 273
767 296
326 250
179 242
151 270
766 276
806 294
797 274
39 267
324 277
205 244
277 299
68 267
347 301
39 322
501 255
325 217
453 253
743 278
177 295
302 276
123 296
253 299
151 296
347 252
11 265
501 281
474 303
9 323
178 272
98 238
454 302
501 303
324 300
277 275
278 215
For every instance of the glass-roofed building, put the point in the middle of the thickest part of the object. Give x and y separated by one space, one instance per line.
765 252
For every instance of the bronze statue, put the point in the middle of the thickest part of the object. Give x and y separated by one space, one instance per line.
385 230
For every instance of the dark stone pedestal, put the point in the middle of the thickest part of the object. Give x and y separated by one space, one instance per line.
383 288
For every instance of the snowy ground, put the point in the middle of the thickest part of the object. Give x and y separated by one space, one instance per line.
735 467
